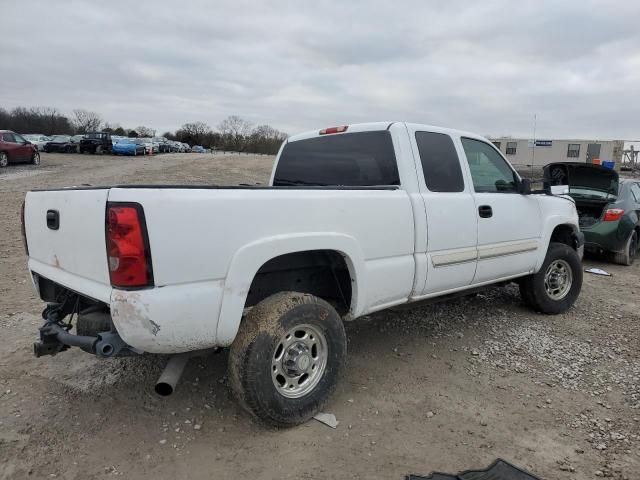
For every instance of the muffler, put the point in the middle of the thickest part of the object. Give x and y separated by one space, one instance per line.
166 384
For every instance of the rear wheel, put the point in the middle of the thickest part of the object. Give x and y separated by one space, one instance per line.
287 357
98 150
556 286
631 249
4 160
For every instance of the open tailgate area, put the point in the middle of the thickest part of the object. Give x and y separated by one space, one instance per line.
65 232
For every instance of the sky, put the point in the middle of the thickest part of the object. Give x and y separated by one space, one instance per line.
485 66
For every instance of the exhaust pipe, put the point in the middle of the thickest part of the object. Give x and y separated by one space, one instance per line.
166 384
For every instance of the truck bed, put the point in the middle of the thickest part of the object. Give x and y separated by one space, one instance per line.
200 235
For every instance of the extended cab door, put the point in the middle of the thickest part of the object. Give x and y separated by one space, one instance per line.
451 234
509 223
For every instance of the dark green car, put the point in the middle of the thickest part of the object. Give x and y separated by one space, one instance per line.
608 207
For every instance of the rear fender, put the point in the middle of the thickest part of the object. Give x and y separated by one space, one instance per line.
248 260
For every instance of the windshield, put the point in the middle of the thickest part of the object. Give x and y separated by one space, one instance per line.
352 159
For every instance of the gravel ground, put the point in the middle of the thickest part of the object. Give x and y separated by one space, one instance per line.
444 387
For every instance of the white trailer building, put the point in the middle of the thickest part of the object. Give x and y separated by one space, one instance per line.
525 152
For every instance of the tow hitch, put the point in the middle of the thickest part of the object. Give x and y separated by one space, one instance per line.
55 336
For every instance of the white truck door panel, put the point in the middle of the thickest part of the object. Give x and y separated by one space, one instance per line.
509 223
450 210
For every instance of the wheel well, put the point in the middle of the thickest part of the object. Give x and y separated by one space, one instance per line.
563 234
323 273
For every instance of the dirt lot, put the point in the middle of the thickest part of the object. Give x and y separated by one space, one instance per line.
443 387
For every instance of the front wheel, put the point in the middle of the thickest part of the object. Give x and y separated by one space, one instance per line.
35 158
4 160
556 286
287 358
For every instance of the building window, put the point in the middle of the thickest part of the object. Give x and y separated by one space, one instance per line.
497 144
573 151
511 148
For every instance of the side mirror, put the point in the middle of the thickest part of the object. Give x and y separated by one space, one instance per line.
524 186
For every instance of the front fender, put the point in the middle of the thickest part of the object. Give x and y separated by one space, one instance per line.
249 258
555 212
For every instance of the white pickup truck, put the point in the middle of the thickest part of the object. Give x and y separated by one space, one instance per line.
356 219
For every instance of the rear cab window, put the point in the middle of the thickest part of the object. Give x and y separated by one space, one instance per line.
440 162
359 159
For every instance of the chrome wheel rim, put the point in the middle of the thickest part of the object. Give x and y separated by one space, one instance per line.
36 158
558 279
4 160
299 361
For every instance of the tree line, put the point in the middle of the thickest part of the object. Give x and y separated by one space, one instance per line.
232 134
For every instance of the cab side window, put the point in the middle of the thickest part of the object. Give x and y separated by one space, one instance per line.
489 171
440 163
635 190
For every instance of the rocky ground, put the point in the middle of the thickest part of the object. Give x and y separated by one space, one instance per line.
444 387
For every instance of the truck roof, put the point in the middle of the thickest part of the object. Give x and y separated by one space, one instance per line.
373 126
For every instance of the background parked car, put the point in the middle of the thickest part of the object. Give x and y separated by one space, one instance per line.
59 144
75 141
129 146
14 149
163 144
198 149
96 142
38 140
608 208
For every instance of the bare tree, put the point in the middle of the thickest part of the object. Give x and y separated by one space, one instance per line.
194 133
234 132
145 131
86 121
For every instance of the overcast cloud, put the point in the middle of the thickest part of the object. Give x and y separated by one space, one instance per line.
482 66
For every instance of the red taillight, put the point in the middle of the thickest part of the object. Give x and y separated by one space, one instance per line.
330 130
128 246
23 230
613 214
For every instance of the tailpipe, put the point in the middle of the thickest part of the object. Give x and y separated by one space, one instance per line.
166 384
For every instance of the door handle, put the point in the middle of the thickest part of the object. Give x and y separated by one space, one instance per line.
485 211
53 219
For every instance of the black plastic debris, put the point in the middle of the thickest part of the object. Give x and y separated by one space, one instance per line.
499 470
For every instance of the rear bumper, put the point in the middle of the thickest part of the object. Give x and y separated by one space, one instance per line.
169 319
607 236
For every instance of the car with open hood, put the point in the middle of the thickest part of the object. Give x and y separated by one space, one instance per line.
608 207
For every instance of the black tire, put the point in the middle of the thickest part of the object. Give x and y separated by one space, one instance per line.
534 288
631 249
35 158
4 160
256 349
